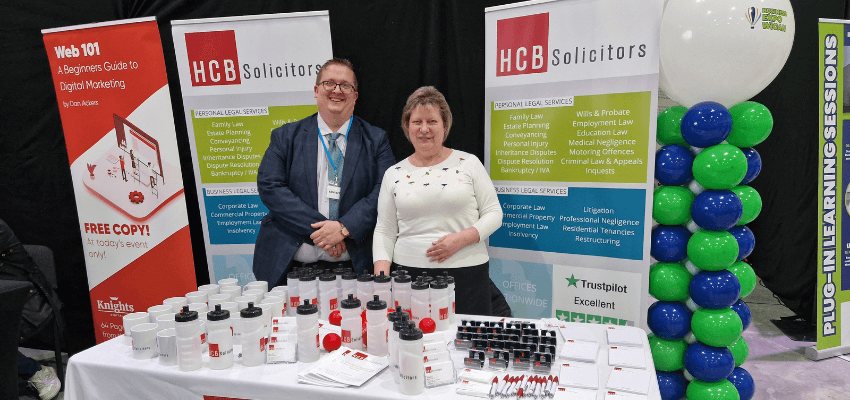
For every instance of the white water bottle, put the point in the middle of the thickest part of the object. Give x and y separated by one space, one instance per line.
307 319
339 272
349 285
292 292
364 289
220 338
253 337
401 292
411 365
440 304
451 291
376 326
351 324
419 300
399 320
327 295
382 286
188 329
308 288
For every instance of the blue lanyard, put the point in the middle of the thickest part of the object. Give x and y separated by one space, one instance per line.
350 122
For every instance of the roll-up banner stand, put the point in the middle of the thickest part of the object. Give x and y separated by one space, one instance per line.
571 92
241 77
115 107
833 283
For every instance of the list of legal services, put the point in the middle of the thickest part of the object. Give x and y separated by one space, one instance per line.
599 138
590 221
230 145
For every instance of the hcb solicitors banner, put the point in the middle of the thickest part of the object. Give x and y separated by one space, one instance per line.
833 282
571 93
241 77
115 107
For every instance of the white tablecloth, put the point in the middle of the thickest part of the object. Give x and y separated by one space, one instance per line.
108 371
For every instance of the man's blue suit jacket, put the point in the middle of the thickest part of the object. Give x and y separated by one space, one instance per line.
286 182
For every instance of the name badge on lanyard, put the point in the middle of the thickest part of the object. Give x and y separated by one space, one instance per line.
333 190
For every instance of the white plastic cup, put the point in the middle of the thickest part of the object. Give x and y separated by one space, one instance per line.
282 288
144 341
165 321
233 291
216 299
242 301
166 340
131 320
156 311
277 306
258 293
196 297
176 303
261 285
211 289
227 282
201 308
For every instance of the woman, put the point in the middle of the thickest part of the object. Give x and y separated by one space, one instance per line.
437 206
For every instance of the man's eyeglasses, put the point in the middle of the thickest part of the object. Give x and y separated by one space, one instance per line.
331 86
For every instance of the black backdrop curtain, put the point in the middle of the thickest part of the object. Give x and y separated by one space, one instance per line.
396 46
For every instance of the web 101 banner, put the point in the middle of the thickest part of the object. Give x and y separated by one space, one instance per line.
241 77
571 91
116 113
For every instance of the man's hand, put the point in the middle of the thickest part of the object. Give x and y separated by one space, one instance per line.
327 235
337 250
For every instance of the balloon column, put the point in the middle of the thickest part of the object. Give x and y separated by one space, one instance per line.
702 208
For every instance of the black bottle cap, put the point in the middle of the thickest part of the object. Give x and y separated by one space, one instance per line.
395 316
402 279
402 272
350 302
399 325
251 311
376 304
410 334
306 308
218 314
426 277
439 284
186 315
394 273
339 270
327 277
294 274
382 278
365 278
450 279
307 277
349 276
420 284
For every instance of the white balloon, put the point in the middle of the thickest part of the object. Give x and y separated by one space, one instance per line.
723 50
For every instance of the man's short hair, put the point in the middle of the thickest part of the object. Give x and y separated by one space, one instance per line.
337 61
427 96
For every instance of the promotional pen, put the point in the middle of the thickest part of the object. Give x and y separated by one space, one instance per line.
493 387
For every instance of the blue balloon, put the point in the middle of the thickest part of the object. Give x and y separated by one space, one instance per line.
715 289
672 385
743 381
717 210
753 165
708 363
669 243
674 165
746 241
743 311
669 319
706 124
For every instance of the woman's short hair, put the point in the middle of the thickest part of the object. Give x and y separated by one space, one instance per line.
427 96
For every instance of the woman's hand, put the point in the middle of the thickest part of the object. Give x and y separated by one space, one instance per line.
448 245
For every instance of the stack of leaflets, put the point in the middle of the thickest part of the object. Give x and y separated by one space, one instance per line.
624 356
625 336
579 351
629 380
344 368
585 376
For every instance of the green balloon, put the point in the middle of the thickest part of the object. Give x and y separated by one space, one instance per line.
720 167
751 124
672 205
723 390
668 355
718 328
751 199
669 281
670 126
746 276
740 351
712 250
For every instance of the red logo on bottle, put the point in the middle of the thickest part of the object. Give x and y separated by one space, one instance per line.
214 350
203 338
293 301
263 343
334 304
444 313
212 58
522 44
346 336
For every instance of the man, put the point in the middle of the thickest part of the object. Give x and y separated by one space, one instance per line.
321 193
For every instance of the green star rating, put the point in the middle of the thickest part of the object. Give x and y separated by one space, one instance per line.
569 316
563 315
573 280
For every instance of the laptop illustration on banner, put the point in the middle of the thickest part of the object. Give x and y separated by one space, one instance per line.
132 175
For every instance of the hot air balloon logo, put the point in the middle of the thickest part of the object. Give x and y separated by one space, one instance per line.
753 15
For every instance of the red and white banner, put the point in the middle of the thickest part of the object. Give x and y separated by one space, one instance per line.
115 106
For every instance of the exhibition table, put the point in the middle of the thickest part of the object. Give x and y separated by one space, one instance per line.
109 371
